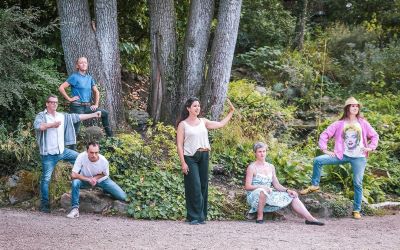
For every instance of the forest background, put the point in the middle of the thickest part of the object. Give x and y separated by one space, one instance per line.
293 65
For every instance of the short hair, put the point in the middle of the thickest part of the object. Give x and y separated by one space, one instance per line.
51 96
92 143
259 145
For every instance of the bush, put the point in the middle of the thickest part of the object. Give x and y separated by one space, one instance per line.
148 169
22 74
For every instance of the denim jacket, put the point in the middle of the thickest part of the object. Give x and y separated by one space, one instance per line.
69 130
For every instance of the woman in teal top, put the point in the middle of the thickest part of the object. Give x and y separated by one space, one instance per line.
266 194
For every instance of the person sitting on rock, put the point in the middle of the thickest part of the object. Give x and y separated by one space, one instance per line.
91 170
262 198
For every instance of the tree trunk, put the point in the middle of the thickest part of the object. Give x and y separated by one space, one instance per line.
298 43
163 100
222 51
107 39
195 51
80 37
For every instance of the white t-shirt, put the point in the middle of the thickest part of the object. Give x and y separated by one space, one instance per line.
353 140
55 136
88 168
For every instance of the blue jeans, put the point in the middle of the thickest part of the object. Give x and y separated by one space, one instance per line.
86 110
107 185
49 162
357 166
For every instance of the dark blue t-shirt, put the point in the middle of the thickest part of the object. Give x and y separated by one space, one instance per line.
81 85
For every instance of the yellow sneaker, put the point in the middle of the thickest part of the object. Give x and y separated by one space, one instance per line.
310 189
356 215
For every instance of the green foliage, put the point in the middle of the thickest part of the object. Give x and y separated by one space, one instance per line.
340 207
148 170
264 23
18 149
22 76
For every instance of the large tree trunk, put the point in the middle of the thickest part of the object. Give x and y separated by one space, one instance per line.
222 51
80 37
107 39
195 52
163 100
301 9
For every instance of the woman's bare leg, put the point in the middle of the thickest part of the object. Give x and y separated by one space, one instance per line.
300 209
261 204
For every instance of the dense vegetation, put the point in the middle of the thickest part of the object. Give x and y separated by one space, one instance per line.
284 97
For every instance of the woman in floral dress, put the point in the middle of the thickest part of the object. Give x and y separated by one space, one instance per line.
264 197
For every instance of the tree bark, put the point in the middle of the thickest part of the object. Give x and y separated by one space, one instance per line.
80 37
222 51
195 51
163 99
107 40
302 9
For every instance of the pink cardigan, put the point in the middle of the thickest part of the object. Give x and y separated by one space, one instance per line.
336 130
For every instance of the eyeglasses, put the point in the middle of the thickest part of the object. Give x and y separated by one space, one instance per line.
51 102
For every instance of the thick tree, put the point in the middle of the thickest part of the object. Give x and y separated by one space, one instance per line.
199 77
195 51
97 39
163 97
222 51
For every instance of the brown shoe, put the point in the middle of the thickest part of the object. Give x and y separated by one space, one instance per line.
308 190
356 215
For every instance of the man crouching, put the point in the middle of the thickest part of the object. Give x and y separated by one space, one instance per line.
91 170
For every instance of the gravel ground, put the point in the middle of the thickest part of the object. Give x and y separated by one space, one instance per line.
34 230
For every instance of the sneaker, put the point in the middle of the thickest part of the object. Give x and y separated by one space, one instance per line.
356 215
74 213
308 190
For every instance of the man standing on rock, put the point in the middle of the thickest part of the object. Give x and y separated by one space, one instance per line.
82 86
91 170
54 131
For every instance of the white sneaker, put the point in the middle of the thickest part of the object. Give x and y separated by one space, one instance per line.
74 213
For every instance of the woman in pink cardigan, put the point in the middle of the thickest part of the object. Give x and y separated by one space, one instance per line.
354 138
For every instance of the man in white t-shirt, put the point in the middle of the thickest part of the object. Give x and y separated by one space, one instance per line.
91 170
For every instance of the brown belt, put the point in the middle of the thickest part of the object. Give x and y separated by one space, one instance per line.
81 103
203 149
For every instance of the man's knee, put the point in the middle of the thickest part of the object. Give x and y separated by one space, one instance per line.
76 183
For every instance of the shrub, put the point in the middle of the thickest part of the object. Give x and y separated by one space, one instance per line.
22 75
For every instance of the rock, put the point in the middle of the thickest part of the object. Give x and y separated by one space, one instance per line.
94 201
261 90
92 133
23 186
325 205
138 118
219 169
12 181
119 206
386 205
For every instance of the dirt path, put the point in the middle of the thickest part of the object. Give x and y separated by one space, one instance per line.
34 230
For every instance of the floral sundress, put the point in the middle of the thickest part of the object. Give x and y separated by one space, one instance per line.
275 200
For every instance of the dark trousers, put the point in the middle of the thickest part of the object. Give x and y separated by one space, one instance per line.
196 186
78 109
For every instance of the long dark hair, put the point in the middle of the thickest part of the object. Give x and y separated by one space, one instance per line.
185 113
346 112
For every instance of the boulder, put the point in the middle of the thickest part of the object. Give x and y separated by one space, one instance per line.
138 118
91 133
94 201
22 186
